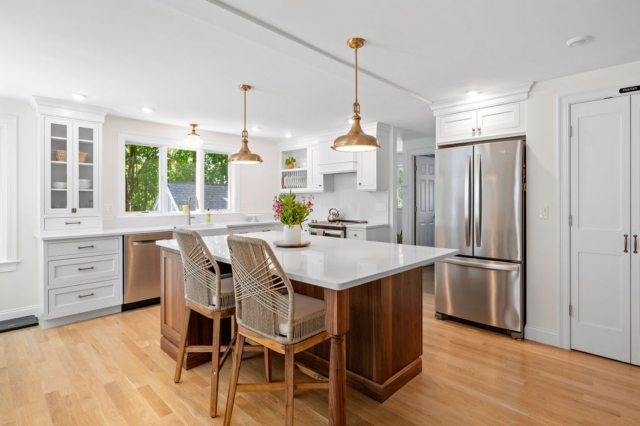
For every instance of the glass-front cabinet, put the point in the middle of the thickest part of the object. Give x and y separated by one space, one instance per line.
71 167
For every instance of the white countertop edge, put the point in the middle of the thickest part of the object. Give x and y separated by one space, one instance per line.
366 225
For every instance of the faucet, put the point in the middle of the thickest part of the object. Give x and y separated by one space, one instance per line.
189 208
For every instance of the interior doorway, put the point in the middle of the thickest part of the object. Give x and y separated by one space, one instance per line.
424 208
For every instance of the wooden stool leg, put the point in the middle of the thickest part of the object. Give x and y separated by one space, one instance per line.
215 368
267 364
289 371
183 343
233 380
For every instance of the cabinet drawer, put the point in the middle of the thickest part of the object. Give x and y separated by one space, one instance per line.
70 271
83 298
356 234
83 247
65 223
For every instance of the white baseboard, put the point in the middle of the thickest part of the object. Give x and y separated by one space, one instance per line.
542 335
20 312
55 322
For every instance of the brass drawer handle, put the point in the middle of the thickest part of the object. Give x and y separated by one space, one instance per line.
85 269
85 247
473 130
626 238
479 129
635 244
73 223
80 296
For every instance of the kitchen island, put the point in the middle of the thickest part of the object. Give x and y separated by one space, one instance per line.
373 303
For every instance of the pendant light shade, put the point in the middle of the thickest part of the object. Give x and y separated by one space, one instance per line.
245 156
356 140
193 140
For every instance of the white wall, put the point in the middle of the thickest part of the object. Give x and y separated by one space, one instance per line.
543 250
18 289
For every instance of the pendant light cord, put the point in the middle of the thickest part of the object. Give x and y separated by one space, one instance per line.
245 110
356 105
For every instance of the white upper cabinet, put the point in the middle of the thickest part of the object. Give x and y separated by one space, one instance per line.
58 148
313 161
367 174
85 176
490 115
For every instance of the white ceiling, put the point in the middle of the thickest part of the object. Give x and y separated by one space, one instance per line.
185 58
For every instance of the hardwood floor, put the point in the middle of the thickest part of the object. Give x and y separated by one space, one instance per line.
111 370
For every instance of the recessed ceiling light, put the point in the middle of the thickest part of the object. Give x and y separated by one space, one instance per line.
288 135
78 97
147 110
472 92
577 41
255 129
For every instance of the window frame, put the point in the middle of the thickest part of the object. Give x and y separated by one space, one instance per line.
8 194
400 187
164 144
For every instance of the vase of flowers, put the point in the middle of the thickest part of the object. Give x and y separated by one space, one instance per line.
292 213
290 162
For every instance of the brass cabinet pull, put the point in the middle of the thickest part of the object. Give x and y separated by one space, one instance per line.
635 243
473 130
478 128
85 247
80 296
73 223
626 238
85 269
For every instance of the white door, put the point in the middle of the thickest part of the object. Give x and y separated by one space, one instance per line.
366 172
425 200
86 139
635 229
601 222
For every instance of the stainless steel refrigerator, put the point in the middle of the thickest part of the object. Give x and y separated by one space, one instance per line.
480 212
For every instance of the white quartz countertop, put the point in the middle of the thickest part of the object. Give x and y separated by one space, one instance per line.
366 225
335 263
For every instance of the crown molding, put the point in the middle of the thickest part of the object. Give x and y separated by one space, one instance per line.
374 128
510 94
63 108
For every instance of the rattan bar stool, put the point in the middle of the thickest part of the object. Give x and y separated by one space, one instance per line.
271 314
211 294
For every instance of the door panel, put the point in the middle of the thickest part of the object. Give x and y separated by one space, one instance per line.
601 211
425 200
58 191
635 229
498 207
454 195
498 119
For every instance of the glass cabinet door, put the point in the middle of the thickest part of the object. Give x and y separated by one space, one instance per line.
86 140
58 168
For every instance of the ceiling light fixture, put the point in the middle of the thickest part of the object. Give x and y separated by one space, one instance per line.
288 135
472 92
147 110
193 140
78 97
245 156
356 140
577 41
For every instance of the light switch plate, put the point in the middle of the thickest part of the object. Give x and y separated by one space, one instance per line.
108 209
544 212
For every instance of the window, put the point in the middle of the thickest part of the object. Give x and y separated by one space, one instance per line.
157 176
216 181
181 178
142 169
8 199
400 187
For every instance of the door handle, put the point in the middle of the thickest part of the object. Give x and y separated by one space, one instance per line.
477 194
467 201
85 247
626 238
80 296
635 244
73 223
85 269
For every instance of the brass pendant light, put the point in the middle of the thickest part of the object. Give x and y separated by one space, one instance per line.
356 140
245 156
193 140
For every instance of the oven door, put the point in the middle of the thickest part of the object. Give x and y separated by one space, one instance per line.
333 233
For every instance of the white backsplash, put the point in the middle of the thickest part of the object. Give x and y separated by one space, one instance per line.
352 204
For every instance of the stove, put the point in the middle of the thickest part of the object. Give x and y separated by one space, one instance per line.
335 229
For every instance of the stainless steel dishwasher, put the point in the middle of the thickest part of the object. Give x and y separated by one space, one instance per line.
142 269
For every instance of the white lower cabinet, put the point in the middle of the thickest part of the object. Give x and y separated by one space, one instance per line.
81 275
379 233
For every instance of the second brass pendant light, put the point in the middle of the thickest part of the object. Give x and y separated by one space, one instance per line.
245 156
356 140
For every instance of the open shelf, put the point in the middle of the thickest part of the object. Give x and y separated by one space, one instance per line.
85 140
86 164
59 189
86 190
293 170
58 162
59 138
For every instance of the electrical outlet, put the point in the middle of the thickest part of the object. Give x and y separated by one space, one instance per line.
108 209
381 207
544 212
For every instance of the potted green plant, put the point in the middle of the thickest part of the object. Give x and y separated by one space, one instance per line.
292 213
290 162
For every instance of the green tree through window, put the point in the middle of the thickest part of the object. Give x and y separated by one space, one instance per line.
400 187
142 177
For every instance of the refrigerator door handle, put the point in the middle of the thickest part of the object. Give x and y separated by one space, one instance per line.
477 194
467 201
493 265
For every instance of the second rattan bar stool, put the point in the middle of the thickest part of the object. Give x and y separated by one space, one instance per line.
271 314
212 295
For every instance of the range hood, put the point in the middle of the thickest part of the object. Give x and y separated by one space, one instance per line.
334 162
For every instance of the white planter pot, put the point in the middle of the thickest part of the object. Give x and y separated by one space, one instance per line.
292 235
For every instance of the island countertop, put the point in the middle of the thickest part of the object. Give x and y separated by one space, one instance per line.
334 263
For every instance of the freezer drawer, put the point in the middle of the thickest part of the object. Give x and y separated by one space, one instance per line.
483 291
